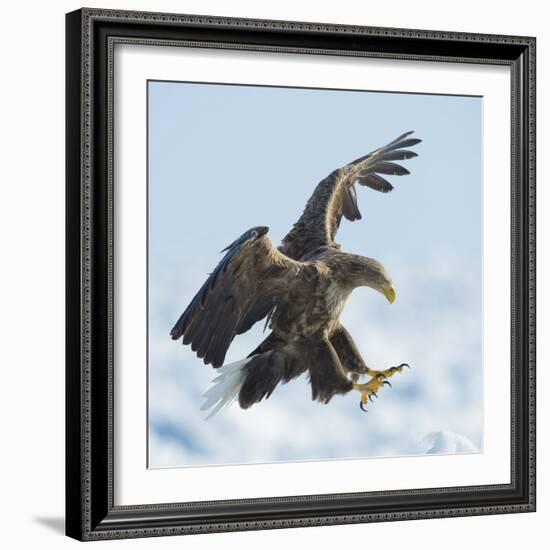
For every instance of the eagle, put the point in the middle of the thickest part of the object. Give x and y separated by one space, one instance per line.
300 288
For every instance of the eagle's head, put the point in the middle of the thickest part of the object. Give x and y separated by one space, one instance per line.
362 271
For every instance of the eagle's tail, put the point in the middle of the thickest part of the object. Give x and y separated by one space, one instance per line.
253 378
226 387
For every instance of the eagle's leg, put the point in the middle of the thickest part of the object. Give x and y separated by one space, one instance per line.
378 380
355 366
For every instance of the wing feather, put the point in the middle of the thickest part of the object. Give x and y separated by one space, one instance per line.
376 182
389 168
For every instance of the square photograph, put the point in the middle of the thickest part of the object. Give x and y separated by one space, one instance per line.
314 262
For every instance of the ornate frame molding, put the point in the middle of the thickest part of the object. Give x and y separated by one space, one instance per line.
91 35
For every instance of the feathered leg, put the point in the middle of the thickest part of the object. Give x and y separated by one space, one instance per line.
326 374
352 361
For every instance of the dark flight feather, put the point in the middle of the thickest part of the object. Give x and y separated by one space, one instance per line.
257 312
376 182
402 136
403 144
210 344
350 209
399 155
389 168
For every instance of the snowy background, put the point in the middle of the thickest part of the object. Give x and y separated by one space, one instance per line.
225 158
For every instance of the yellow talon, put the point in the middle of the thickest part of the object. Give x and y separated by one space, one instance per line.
378 380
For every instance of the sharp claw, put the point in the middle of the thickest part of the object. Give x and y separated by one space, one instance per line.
362 407
405 365
386 382
370 397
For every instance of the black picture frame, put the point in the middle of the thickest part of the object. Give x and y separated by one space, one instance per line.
90 510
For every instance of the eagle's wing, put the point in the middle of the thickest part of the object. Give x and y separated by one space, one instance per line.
252 273
336 196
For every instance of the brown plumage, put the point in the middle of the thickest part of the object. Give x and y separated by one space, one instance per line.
300 287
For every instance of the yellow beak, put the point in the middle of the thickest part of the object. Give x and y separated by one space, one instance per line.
390 294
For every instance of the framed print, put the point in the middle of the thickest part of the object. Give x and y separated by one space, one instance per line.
363 347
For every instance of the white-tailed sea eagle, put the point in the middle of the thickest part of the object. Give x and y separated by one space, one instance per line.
301 288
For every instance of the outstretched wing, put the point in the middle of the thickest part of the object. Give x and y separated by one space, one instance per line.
252 273
336 196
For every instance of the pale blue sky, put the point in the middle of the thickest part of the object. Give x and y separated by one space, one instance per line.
225 158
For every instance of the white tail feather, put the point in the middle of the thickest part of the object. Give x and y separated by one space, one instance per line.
225 388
